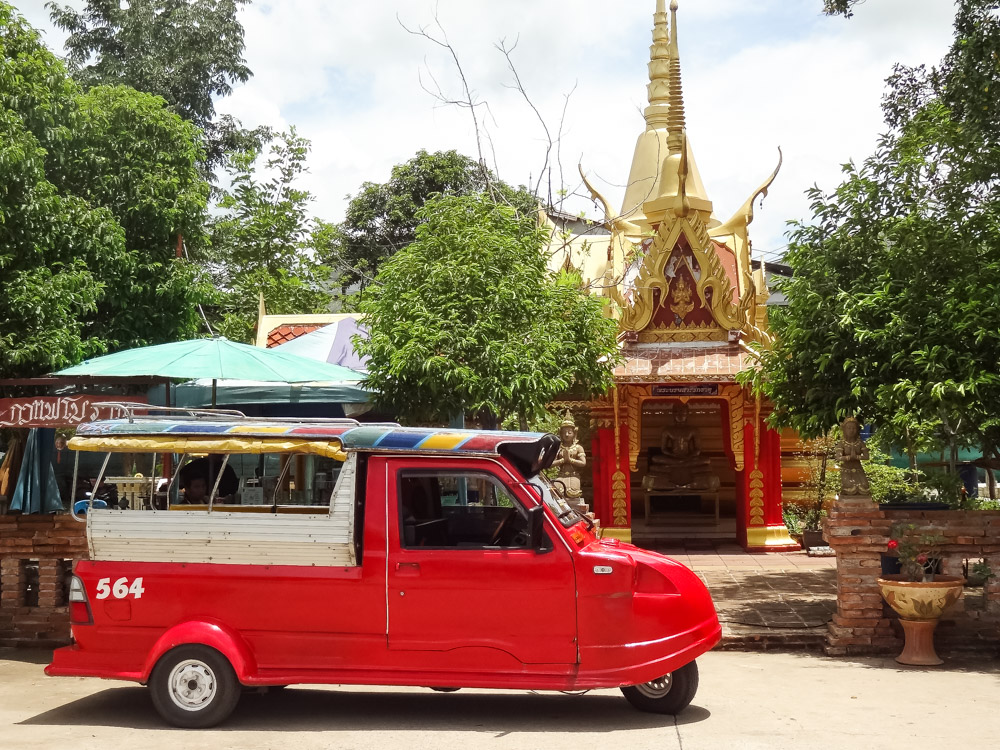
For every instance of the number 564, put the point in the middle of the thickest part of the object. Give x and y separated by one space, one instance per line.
120 589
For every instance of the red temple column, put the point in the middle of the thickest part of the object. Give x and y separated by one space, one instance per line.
602 457
612 503
765 529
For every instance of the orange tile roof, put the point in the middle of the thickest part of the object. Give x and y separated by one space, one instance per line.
285 333
681 362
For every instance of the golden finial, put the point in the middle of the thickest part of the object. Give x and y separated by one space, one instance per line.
659 69
675 117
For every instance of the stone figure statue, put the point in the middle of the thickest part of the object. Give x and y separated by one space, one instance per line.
850 453
569 461
680 464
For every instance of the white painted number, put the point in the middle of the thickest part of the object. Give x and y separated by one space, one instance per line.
136 588
121 588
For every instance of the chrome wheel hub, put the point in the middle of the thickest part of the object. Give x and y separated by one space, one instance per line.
192 685
656 688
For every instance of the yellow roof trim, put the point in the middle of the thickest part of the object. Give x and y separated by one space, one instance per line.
176 444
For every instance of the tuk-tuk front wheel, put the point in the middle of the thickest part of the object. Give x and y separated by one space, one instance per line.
669 694
194 686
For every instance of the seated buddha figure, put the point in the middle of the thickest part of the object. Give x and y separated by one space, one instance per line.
680 464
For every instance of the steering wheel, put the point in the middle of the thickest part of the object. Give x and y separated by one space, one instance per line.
499 530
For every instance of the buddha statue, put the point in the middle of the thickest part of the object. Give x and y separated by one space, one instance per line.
680 464
570 459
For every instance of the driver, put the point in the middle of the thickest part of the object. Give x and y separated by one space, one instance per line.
198 477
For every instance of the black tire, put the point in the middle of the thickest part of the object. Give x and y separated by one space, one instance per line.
671 694
445 689
194 687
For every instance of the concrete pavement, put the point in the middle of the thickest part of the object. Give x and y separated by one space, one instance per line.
746 700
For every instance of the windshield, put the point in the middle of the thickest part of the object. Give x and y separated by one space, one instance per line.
564 511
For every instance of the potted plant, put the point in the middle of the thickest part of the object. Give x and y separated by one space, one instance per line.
919 593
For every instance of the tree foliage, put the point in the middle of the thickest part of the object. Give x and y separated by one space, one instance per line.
840 7
189 52
93 189
383 217
468 319
264 241
893 314
185 51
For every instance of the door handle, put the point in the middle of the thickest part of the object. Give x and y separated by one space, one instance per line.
407 569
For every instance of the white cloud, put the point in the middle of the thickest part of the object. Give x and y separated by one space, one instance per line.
756 75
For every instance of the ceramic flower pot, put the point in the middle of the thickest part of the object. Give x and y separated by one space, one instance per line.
919 605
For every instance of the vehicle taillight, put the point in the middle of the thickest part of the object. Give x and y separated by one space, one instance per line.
79 607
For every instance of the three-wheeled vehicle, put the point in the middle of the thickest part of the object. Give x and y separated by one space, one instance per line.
344 553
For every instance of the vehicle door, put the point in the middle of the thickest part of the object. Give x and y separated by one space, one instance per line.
462 573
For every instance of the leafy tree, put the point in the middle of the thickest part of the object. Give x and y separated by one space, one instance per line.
49 243
265 241
186 51
892 311
468 318
383 217
93 190
132 155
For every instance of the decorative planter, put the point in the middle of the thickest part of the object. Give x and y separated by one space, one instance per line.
813 538
919 605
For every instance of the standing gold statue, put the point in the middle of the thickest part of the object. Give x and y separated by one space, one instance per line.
851 452
569 461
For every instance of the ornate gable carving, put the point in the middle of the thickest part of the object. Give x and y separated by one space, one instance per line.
682 292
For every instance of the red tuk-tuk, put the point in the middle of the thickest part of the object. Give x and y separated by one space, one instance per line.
344 553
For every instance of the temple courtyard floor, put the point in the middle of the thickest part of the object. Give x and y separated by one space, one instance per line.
776 701
765 601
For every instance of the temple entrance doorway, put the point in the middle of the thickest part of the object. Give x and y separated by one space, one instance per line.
684 487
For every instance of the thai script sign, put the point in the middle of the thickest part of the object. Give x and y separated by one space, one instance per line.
62 411
700 389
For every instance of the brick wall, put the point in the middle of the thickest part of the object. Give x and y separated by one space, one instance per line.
36 557
858 531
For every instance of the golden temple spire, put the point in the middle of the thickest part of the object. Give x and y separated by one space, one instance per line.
675 120
653 185
658 88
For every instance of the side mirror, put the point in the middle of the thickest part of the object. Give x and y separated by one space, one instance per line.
536 517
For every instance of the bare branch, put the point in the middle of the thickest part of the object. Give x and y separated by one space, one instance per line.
559 137
519 87
468 99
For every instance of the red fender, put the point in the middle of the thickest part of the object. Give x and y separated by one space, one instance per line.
226 641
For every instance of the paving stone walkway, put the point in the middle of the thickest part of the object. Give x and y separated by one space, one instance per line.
765 601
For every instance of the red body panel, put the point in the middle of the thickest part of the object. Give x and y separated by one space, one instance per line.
582 613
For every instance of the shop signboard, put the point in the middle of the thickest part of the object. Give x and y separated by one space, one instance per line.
62 411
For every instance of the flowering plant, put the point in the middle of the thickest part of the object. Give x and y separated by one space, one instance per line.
919 553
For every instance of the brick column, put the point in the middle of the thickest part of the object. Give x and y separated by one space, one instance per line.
858 531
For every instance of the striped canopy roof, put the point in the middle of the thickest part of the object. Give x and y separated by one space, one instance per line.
353 436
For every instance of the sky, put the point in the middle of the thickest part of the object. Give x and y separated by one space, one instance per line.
757 74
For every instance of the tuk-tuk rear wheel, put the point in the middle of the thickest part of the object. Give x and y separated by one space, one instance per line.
194 686
669 694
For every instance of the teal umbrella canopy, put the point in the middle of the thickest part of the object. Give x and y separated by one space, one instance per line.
216 359
37 490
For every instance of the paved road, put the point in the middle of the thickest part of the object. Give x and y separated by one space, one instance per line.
772 701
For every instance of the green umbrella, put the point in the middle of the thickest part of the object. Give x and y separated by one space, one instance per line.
215 359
